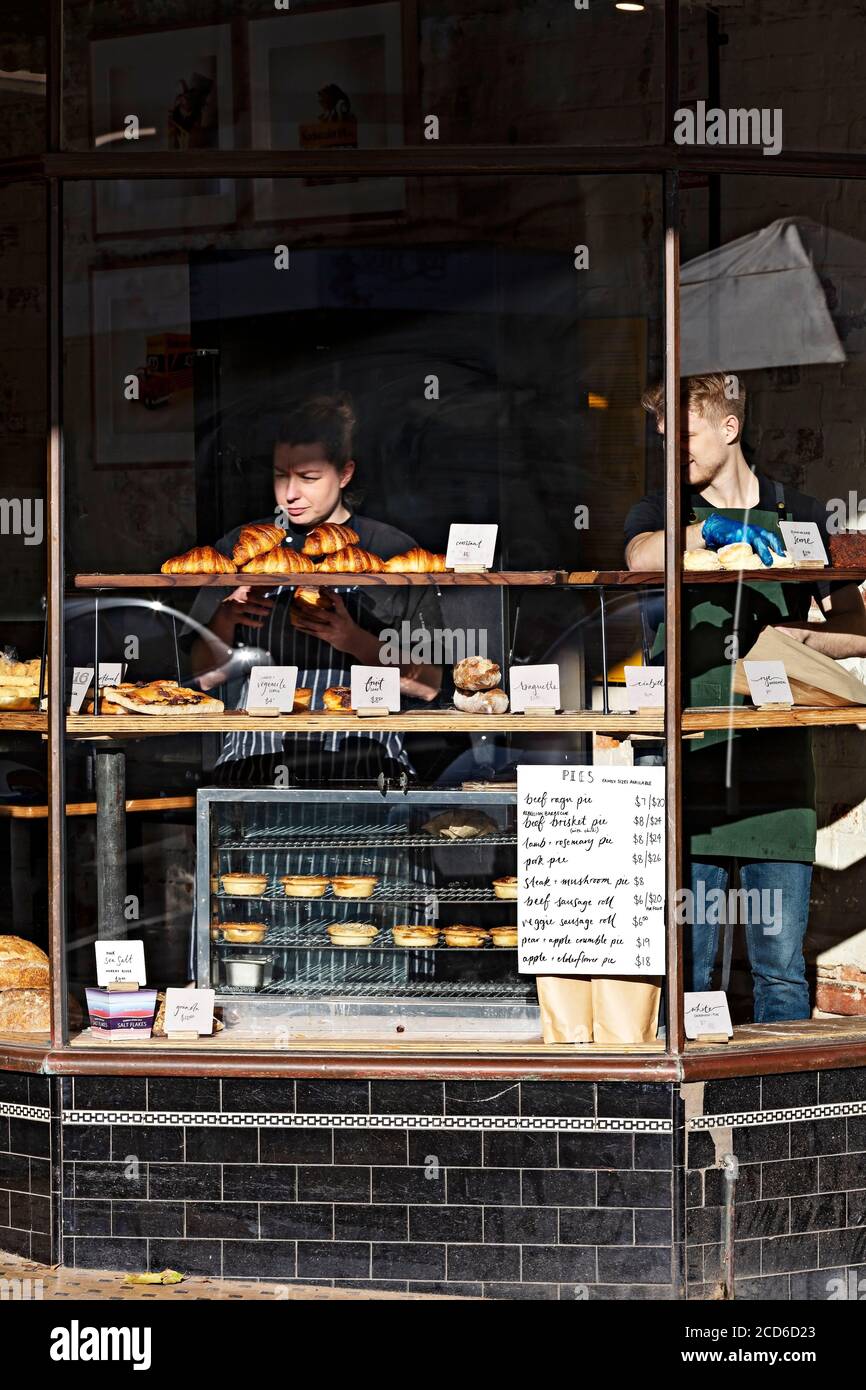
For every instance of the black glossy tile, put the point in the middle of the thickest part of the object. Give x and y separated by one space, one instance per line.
790 1179
842 1247
653 1151
29 1213
183 1093
109 1093
595 1226
371 1147
818 1137
222 1145
701 1150
652 1226
788 1090
545 1188
110 1180
449 1150
94 1252
855 1139
222 1220
567 1098
296 1145
258 1095
640 1099
42 1248
704 1225
40 1176
524 1293
482 1098
191 1256
856 1208
454 1288
625 1293
824 1213
768 1218
14 1087
4 1208
146 1144
15 1171
380 1223
762 1143
263 1182
520 1226
456 1225
335 1184
407 1097
13 1242
786 1253
405 1185
560 1264
333 1097
491 1186
595 1151
408 1261
847 1083
87 1218
31 1137
4 1134
147 1219
86 1141
259 1259
776 1288
732 1095
644 1189
192 1181
748 1184
482 1262
817 1285
333 1260
645 1264
520 1151
296 1221
841 1172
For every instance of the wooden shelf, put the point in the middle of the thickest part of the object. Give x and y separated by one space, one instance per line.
24 721
414 721
627 578
89 808
315 579
746 717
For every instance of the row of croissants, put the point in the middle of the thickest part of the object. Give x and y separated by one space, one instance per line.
259 549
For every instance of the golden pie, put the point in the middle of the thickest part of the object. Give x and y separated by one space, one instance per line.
352 933
244 933
244 885
505 887
354 885
415 936
466 936
304 885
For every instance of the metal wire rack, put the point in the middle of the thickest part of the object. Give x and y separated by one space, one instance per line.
371 988
314 937
351 835
386 891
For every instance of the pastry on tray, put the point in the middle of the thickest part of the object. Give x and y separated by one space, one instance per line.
352 933
202 559
416 561
160 697
739 556
354 885
503 936
460 825
338 697
256 540
241 885
282 560
305 885
328 538
467 937
476 673
505 887
352 560
244 933
415 936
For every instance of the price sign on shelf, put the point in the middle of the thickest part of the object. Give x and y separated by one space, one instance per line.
376 687
272 688
470 545
768 682
707 1013
803 542
189 1011
534 686
110 673
120 962
645 687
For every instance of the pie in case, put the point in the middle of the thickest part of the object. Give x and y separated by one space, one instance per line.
161 697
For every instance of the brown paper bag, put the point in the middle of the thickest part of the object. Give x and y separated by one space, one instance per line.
814 679
625 1010
566 1008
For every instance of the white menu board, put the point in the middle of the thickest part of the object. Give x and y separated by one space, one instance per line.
591 873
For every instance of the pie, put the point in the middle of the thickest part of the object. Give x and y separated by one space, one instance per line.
415 936
244 885
161 697
503 936
505 887
304 885
246 933
352 933
466 936
354 885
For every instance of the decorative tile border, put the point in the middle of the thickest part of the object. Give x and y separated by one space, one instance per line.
790 1114
248 1119
14 1110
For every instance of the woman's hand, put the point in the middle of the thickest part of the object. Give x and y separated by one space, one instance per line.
336 627
243 606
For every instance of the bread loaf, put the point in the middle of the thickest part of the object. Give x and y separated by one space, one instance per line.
22 965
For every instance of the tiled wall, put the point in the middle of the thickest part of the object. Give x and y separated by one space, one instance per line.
800 1196
528 1190
28 1136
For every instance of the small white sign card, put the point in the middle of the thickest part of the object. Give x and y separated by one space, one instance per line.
534 686
272 687
375 687
803 542
707 1012
645 687
110 673
470 545
120 963
189 1011
591 874
768 682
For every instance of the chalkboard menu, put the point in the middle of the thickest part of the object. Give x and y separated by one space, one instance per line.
591 870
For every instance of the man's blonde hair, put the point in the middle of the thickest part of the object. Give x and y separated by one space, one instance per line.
715 396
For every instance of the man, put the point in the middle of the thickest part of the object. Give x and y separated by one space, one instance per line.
749 795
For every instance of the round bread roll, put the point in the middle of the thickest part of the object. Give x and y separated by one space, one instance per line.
476 673
354 885
701 560
505 887
739 556
246 933
481 702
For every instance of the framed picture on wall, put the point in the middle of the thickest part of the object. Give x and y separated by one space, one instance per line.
141 329
327 78
177 84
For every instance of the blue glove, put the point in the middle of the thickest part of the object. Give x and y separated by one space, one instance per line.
720 530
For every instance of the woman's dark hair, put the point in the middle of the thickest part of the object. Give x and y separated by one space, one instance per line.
326 420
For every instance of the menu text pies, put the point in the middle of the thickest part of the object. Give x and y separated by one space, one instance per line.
591 870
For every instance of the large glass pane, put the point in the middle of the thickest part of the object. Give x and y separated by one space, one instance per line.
23 47
219 75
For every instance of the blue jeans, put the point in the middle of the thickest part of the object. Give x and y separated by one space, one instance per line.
774 907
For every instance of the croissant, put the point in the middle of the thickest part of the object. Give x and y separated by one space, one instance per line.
256 540
351 561
202 559
281 560
416 561
325 539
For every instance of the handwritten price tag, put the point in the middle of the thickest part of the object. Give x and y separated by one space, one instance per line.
768 682
272 687
645 686
110 673
120 962
534 685
375 687
470 545
803 541
189 1011
707 1012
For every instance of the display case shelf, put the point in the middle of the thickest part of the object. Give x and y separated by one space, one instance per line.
388 989
410 721
313 936
386 891
498 578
